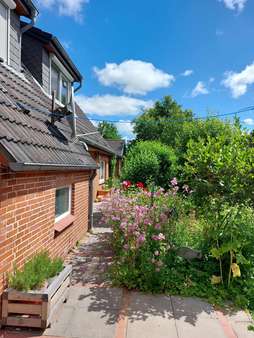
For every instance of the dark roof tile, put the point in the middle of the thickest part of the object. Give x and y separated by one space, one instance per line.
118 146
28 138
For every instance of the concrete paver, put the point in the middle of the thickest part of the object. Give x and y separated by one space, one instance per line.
203 327
150 316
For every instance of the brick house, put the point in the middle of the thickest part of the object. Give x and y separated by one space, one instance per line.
48 155
118 147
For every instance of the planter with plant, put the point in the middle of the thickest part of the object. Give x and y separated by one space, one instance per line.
35 292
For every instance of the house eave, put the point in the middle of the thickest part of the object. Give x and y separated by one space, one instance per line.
19 167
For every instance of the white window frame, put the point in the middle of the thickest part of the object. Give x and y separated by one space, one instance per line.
10 5
68 212
62 72
102 180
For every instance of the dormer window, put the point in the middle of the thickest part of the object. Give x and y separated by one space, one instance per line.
60 83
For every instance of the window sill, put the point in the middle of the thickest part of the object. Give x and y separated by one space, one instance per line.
101 181
64 223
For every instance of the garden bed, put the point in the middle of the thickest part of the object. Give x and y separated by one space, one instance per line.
36 308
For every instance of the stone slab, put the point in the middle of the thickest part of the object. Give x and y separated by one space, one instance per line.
192 308
202 328
150 316
95 298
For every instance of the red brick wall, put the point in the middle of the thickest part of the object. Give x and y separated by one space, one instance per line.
27 216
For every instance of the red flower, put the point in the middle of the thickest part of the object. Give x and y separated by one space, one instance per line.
140 185
126 184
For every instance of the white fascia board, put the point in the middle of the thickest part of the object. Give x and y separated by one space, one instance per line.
62 68
9 3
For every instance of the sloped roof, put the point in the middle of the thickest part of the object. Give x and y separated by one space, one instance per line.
27 137
53 44
117 146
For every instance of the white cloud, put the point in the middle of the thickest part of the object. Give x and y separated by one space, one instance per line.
249 122
238 82
212 79
72 8
134 76
200 89
110 105
187 72
234 4
125 128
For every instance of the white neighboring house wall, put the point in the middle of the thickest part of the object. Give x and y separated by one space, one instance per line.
5 6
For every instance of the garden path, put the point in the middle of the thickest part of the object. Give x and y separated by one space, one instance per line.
97 310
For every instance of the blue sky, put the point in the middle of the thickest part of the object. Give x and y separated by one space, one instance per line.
132 53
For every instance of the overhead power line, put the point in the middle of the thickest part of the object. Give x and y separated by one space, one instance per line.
242 110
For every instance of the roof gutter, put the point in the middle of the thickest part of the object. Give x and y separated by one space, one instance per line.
79 86
49 166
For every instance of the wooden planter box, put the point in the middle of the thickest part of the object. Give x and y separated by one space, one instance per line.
35 308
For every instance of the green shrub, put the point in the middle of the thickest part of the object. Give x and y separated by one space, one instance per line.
35 272
218 166
150 161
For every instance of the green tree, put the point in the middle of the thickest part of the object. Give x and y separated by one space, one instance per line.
173 126
109 131
164 121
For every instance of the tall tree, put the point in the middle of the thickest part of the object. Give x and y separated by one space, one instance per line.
168 123
164 122
109 131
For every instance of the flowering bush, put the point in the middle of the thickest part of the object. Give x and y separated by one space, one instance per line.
144 232
149 228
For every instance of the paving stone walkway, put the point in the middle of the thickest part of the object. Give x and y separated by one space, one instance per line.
97 310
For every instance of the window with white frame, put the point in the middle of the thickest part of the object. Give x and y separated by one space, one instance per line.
102 172
62 203
4 30
60 84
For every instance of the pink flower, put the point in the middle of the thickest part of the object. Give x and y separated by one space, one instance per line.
141 238
123 225
147 221
174 182
159 237
157 226
126 247
126 184
115 218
